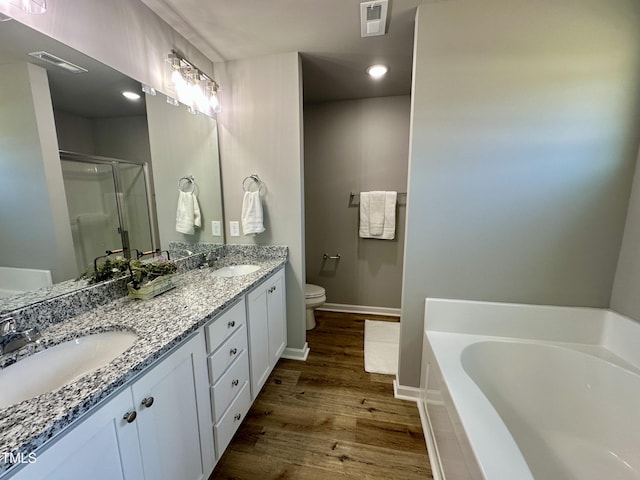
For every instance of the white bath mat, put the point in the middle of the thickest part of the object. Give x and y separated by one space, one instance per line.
381 340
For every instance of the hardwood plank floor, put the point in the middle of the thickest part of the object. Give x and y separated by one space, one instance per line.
327 418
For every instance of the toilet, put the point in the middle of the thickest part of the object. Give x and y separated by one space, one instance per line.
314 297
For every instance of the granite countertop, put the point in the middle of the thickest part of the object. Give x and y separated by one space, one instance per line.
160 323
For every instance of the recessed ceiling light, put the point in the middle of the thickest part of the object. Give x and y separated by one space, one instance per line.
131 95
377 71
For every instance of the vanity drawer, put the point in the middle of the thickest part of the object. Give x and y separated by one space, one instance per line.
223 431
220 360
226 324
225 390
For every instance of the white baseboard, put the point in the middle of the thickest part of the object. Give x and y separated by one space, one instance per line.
405 393
363 309
432 448
296 353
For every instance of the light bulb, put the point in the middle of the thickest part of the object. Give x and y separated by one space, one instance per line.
377 71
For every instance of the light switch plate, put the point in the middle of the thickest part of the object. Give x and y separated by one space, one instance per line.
215 228
234 229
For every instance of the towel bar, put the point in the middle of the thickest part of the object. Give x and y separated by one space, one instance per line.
352 195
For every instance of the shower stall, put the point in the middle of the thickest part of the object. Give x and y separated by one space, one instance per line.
110 204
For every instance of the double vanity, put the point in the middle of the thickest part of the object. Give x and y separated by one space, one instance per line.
172 378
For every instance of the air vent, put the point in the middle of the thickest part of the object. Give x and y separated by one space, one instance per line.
58 62
373 18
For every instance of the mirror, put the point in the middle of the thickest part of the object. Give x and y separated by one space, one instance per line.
82 167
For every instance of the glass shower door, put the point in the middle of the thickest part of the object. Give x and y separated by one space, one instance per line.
93 210
109 206
137 219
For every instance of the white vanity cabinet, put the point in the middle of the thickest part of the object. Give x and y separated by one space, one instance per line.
172 416
155 429
228 363
267 324
103 447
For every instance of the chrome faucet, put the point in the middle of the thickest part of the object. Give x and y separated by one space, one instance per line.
211 259
208 260
12 340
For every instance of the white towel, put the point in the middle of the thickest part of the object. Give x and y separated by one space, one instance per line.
188 213
376 212
251 216
378 215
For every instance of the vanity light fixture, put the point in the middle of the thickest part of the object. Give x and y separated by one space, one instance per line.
30 6
58 62
377 71
131 95
148 90
194 88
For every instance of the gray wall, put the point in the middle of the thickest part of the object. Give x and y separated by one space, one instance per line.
261 132
36 231
125 138
353 146
123 34
624 297
524 139
183 144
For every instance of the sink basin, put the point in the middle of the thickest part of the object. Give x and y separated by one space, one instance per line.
236 270
59 365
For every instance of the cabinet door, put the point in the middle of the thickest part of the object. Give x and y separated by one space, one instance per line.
174 418
102 447
277 318
257 322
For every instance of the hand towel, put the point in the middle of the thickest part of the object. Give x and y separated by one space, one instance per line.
389 229
188 213
378 215
251 217
364 215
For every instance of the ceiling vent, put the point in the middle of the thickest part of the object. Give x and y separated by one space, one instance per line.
373 18
58 62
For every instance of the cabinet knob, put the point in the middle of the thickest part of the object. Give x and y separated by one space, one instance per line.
147 402
237 416
130 416
235 383
231 324
233 351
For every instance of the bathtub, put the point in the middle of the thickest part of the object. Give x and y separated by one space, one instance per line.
20 280
519 392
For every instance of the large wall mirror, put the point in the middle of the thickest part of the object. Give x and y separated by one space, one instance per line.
84 169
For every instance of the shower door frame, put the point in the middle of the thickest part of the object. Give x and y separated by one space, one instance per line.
115 171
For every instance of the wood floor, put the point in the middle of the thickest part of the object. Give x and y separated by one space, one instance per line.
327 418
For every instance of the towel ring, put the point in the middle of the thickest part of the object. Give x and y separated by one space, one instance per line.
190 181
256 179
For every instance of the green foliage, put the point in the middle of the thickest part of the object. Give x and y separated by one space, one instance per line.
143 272
110 268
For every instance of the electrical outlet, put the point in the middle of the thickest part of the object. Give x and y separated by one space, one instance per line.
215 228
234 229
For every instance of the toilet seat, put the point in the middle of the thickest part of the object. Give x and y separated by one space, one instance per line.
313 291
